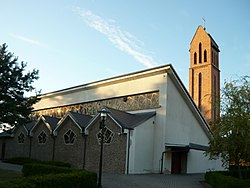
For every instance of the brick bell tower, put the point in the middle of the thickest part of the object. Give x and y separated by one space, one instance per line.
204 74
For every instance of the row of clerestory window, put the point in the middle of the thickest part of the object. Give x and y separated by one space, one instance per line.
200 54
69 137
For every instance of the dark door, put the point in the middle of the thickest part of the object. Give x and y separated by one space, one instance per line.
176 163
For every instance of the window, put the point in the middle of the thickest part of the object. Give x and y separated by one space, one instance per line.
199 90
69 137
205 55
20 138
216 60
192 82
200 53
215 98
107 136
42 137
195 58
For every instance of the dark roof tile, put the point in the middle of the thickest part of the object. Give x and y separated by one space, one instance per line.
81 119
214 44
52 121
128 120
30 125
5 134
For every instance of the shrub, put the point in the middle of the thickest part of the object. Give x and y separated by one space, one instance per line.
34 169
17 183
71 180
21 160
24 160
55 163
219 180
245 172
75 180
44 174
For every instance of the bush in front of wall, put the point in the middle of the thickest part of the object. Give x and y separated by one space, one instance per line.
35 169
219 180
75 179
20 160
25 160
44 174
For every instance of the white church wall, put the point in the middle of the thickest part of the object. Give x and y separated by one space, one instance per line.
197 162
130 159
142 148
167 160
160 122
182 127
110 88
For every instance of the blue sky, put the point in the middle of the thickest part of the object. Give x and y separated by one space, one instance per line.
77 42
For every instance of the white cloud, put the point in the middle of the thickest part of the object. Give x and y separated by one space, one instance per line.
28 40
121 39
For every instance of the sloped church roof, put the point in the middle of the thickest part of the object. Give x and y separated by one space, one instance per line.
128 120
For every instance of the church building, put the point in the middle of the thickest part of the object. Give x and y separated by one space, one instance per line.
153 124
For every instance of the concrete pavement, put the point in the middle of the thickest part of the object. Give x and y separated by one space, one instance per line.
8 166
153 181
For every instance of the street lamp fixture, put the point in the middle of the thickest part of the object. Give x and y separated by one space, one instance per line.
103 114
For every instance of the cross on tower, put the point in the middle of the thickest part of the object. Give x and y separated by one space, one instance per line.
204 23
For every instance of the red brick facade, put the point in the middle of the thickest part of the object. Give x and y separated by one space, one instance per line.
204 74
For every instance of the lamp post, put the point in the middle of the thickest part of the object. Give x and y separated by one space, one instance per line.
103 113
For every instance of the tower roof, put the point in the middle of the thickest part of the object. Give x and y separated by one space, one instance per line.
213 43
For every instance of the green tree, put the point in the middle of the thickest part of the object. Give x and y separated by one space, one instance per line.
15 108
231 134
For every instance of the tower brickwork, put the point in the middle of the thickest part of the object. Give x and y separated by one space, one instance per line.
204 74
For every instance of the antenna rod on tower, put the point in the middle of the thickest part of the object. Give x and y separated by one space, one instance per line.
204 23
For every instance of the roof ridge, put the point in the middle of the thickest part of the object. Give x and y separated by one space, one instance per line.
122 111
72 112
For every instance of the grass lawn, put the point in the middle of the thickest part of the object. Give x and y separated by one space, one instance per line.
9 174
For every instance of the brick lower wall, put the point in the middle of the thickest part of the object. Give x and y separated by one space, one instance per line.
83 153
13 148
114 154
42 151
70 153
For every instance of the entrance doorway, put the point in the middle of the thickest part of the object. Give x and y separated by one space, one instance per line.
179 161
176 163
